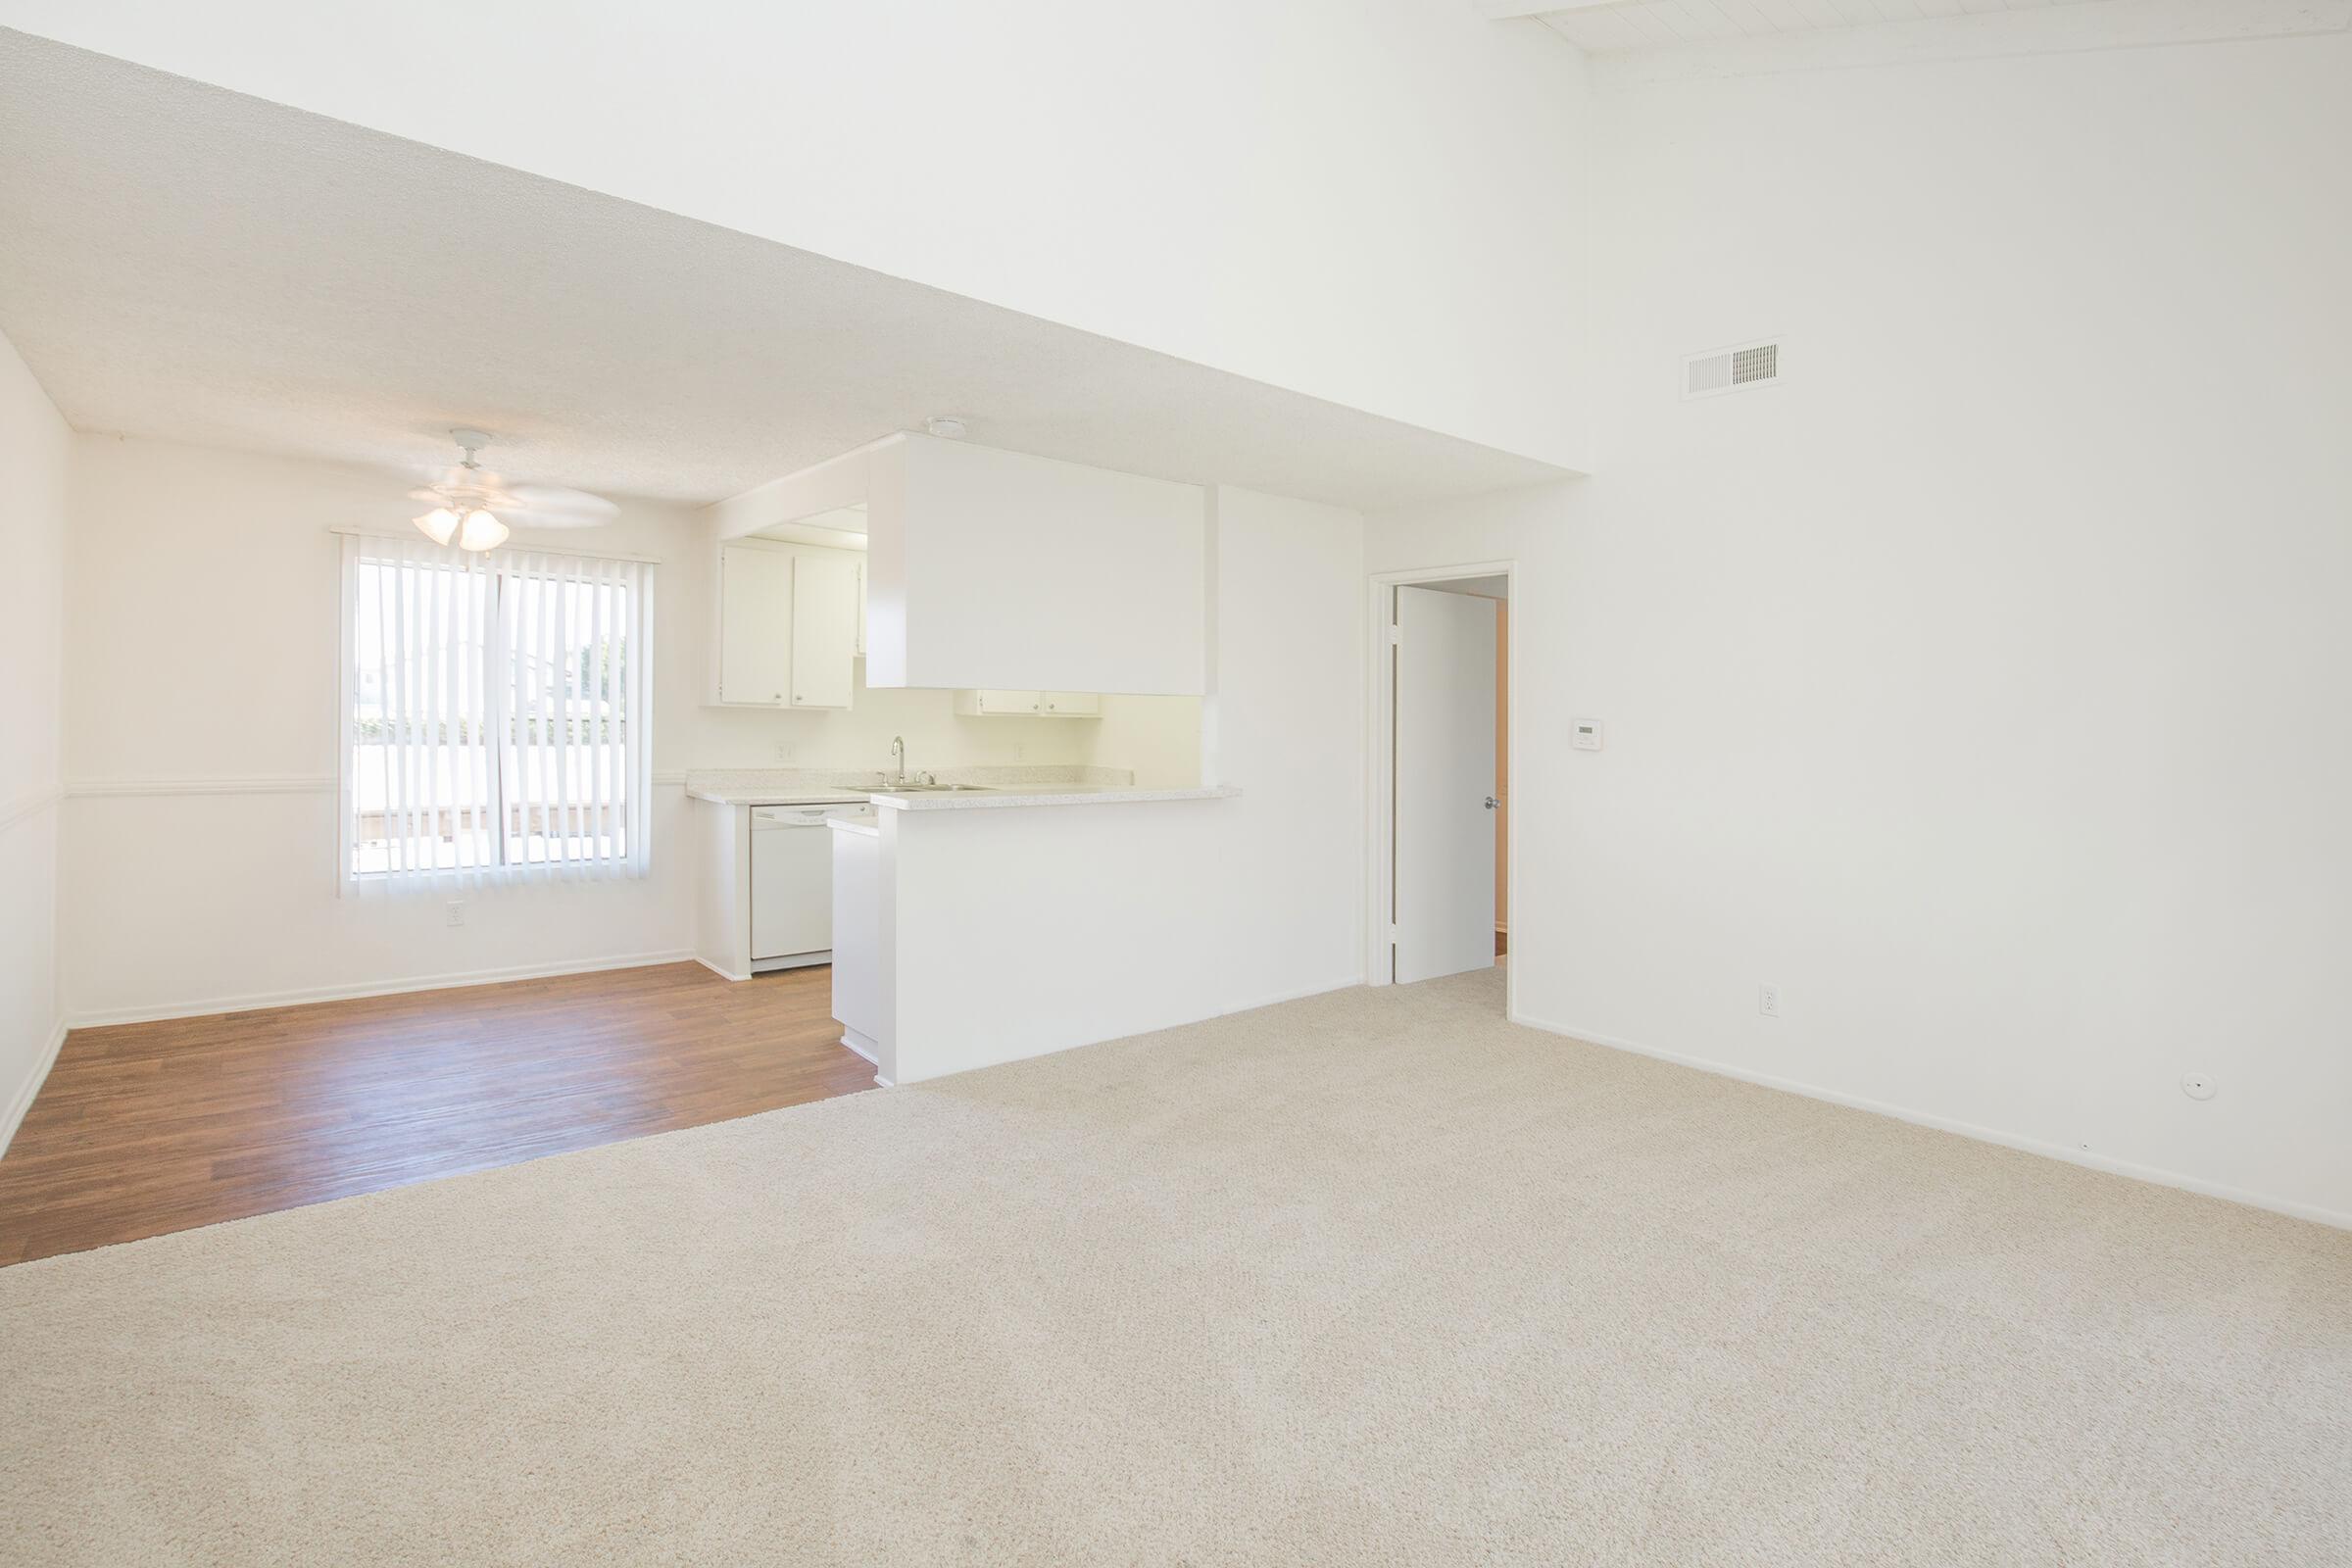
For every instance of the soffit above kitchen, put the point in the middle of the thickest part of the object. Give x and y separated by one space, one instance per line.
183 263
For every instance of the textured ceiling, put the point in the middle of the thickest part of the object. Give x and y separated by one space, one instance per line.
1653 23
186 263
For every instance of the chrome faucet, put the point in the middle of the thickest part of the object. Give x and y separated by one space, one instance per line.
898 750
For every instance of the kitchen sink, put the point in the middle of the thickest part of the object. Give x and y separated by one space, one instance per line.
932 789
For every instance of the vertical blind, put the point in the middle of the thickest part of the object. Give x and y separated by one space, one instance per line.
497 720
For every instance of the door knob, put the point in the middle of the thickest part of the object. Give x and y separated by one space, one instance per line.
1491 802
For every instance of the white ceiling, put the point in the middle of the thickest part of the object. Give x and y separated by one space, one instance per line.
185 263
1622 24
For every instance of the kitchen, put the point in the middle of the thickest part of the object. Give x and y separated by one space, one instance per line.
847 598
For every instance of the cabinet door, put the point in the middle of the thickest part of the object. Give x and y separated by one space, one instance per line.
755 611
996 702
824 627
861 607
1071 705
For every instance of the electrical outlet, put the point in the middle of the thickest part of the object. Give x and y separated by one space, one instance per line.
457 912
2198 1085
1768 1001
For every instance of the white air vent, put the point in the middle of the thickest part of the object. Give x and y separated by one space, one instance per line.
1733 370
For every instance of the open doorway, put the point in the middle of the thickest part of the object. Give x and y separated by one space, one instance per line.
1441 874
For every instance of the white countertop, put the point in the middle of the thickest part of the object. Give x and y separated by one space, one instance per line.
723 795
1045 794
843 787
963 800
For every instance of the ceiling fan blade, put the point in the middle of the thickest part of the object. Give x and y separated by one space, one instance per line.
443 474
552 507
462 488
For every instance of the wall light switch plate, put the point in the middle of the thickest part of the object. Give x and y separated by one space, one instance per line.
1584 734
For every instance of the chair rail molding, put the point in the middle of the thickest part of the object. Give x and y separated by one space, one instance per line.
222 784
29 805
248 784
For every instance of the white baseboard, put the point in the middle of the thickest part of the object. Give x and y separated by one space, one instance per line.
2339 1218
22 1101
1320 987
724 974
207 1007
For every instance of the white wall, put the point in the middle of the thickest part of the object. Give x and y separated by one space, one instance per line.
1984 686
1000 571
1157 739
860 736
1287 725
1014 932
34 448
1379 202
200 747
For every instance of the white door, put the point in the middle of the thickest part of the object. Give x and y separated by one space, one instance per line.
755 649
1444 823
824 628
1071 705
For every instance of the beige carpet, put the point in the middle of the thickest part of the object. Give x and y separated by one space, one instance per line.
1373 1278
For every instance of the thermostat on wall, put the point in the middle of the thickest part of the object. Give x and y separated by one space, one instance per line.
1584 734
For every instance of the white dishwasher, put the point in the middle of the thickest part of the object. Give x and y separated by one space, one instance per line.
792 885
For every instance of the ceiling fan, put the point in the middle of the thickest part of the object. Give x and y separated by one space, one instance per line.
472 506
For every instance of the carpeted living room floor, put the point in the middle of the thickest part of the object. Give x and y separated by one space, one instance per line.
1370 1278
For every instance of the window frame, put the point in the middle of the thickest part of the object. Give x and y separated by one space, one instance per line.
621 604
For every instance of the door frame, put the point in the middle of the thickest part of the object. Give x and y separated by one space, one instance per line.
1381 787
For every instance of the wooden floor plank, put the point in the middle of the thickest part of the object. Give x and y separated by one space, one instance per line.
148 1128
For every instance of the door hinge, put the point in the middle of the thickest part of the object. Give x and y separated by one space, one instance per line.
1396 635
1392 933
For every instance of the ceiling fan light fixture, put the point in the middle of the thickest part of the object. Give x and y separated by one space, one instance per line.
481 532
473 508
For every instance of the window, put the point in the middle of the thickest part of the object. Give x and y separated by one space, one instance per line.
497 720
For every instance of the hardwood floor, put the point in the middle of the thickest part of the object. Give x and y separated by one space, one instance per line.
147 1128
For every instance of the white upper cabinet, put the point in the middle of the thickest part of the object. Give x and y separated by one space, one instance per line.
1029 705
788 617
991 703
998 567
824 627
755 616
